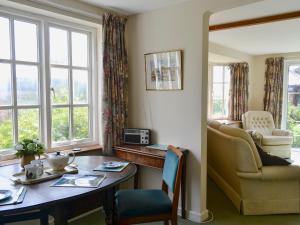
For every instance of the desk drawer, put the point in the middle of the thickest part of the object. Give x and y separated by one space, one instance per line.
143 160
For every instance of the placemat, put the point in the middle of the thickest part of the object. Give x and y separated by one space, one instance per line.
10 200
102 168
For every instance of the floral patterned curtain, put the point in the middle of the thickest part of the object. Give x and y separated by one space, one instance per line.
115 79
274 88
238 92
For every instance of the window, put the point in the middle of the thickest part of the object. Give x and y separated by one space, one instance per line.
291 100
219 92
70 78
20 102
46 83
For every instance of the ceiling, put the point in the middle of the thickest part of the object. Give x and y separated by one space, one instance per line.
254 10
269 38
129 7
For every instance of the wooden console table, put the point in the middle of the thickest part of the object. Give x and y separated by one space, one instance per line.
154 158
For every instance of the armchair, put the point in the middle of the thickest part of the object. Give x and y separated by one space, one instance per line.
275 141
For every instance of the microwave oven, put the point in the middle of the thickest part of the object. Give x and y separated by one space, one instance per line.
136 136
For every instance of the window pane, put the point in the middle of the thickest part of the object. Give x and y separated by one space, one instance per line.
80 86
217 91
217 74
226 91
79 49
58 46
25 41
4 39
217 107
226 107
27 85
81 122
6 129
5 84
28 123
60 124
227 74
59 86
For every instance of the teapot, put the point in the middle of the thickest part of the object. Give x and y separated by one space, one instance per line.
58 160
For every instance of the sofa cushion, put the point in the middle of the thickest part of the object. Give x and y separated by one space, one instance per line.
277 140
237 132
270 160
214 124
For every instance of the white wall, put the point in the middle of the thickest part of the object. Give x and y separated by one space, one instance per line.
175 117
221 54
232 54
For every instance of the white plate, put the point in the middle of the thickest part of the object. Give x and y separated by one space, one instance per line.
112 165
4 194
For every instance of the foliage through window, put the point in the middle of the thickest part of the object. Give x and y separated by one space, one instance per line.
46 82
219 92
293 102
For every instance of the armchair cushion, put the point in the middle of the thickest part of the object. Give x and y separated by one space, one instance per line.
277 140
138 203
278 132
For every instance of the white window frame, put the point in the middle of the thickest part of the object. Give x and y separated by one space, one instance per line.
70 67
43 24
13 62
211 83
287 64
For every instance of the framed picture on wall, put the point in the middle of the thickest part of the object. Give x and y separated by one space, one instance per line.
164 70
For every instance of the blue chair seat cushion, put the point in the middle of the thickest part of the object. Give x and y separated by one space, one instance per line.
138 203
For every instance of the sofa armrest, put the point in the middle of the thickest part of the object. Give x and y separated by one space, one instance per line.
278 132
291 172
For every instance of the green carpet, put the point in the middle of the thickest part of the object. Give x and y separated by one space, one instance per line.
226 214
223 210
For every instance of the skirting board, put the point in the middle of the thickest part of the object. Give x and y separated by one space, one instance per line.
195 216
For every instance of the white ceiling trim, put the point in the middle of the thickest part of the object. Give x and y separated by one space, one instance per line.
130 7
79 10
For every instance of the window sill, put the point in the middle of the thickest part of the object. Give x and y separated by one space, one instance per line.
84 149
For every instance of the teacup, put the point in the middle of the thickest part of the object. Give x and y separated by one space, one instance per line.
39 164
32 171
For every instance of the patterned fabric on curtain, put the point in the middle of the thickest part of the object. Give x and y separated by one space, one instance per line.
274 88
238 93
115 79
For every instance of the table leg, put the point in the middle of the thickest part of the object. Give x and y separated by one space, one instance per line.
44 220
109 206
136 177
183 189
59 215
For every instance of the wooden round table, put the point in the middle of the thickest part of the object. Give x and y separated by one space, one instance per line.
64 203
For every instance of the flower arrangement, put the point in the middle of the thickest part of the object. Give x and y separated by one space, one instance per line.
29 147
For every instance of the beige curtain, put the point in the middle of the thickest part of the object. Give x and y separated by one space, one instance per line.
238 93
115 81
274 88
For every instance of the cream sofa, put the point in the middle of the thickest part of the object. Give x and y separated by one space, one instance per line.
235 166
275 141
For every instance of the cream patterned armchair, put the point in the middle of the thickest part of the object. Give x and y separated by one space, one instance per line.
275 141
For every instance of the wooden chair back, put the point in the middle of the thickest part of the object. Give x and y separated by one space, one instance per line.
166 185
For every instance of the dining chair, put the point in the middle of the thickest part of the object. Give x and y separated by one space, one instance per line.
142 206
